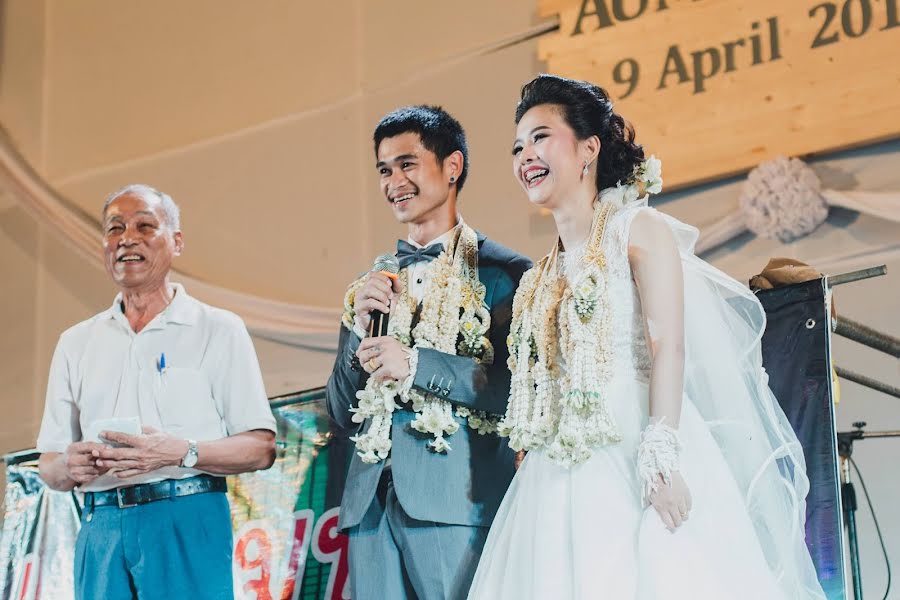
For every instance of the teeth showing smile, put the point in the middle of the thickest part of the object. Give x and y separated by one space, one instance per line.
534 175
131 258
403 197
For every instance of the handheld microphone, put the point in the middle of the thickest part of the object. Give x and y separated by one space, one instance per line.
386 264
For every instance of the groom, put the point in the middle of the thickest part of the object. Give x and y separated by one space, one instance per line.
418 513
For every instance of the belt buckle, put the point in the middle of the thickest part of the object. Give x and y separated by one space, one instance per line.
121 501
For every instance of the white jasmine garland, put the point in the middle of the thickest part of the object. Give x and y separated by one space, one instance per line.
376 402
563 412
412 360
454 320
566 314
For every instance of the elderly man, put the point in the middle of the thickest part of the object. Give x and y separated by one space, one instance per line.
184 377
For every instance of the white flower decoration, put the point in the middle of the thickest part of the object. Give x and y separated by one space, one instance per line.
439 444
454 320
652 175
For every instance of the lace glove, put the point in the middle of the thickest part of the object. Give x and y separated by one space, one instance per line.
658 456
662 485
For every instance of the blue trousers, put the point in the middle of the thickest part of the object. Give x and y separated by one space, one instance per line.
393 556
166 550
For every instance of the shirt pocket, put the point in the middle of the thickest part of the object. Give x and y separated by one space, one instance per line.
186 404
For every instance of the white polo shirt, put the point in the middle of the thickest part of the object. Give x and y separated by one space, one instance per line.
211 386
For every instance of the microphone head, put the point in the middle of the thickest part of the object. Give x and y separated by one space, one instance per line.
387 263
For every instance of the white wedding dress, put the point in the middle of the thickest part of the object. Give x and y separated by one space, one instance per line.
583 533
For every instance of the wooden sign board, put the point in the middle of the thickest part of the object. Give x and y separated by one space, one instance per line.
714 87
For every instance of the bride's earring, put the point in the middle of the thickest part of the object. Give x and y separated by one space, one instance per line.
584 171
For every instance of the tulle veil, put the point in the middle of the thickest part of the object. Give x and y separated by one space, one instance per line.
724 377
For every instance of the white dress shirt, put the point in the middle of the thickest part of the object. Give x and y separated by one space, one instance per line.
211 386
419 273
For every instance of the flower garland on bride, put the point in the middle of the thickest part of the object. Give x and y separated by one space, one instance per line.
562 316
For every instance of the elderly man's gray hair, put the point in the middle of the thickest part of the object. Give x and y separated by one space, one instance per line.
173 213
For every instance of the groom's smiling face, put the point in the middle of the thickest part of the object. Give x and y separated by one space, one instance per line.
411 178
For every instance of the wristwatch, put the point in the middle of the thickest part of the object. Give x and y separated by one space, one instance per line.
190 459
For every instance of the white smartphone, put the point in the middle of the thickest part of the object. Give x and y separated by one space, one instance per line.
129 425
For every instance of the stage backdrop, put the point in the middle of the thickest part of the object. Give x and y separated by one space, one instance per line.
737 82
286 544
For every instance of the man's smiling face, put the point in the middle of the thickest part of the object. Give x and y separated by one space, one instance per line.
412 178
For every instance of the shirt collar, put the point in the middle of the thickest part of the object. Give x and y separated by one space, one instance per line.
182 310
441 239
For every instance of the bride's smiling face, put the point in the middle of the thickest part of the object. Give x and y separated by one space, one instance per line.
547 156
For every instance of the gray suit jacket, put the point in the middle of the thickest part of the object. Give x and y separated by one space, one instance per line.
465 485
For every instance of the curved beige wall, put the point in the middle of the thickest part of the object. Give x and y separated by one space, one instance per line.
259 121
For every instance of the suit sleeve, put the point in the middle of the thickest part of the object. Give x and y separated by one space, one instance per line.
345 381
464 381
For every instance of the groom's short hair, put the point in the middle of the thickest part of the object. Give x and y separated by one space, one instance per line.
441 134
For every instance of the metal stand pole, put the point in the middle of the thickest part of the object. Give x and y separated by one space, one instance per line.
852 276
848 494
848 500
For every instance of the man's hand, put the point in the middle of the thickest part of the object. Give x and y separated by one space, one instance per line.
146 452
384 358
672 501
375 294
80 462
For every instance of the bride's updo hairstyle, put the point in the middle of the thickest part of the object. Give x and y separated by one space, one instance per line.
588 111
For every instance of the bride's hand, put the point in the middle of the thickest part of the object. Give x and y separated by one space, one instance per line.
672 501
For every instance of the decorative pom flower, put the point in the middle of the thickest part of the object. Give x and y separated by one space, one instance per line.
782 199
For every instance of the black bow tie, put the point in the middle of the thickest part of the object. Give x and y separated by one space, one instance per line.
408 254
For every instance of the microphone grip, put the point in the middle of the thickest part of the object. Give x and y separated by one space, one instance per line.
379 325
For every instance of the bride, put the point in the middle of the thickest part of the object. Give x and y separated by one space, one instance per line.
657 464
